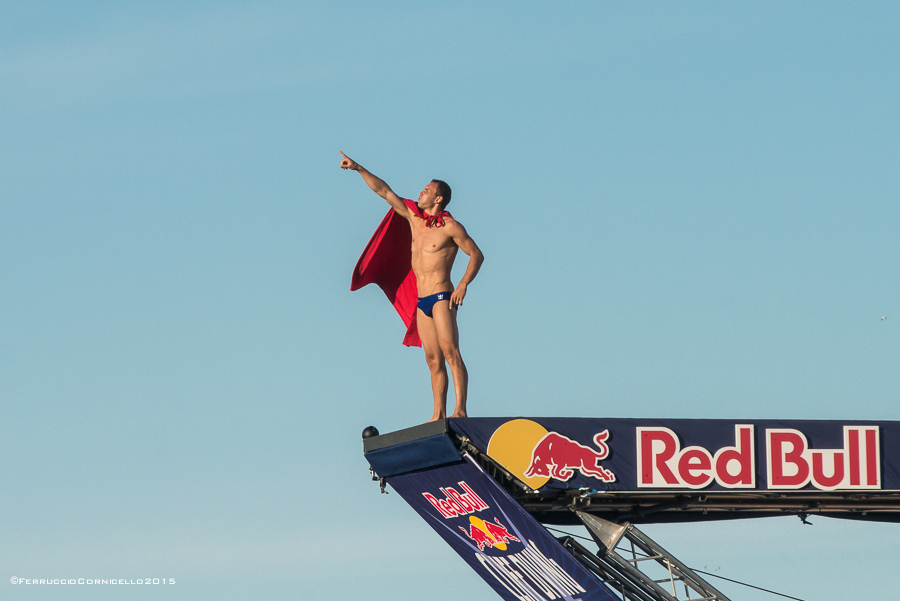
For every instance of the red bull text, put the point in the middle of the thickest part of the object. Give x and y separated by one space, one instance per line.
662 463
455 504
790 462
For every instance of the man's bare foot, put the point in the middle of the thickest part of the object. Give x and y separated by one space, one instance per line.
434 418
459 414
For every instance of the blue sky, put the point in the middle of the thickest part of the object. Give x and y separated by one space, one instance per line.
687 210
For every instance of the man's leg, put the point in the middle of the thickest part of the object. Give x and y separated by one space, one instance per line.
444 319
435 359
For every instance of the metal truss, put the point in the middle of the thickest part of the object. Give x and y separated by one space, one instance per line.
635 566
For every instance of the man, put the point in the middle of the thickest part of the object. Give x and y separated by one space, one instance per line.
436 238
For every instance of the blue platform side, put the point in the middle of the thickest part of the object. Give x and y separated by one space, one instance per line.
418 448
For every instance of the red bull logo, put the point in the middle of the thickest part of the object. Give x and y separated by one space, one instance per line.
455 503
763 455
536 455
488 535
558 457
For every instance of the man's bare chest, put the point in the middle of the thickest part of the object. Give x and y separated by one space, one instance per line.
430 240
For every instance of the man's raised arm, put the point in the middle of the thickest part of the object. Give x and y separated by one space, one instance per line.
378 186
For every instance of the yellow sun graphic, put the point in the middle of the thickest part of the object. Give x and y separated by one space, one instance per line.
511 445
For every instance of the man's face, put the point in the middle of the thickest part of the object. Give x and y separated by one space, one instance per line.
428 196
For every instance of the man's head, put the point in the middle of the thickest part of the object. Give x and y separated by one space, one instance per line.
443 190
436 196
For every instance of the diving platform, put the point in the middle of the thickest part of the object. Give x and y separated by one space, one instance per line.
491 488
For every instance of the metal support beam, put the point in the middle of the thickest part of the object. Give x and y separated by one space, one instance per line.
641 576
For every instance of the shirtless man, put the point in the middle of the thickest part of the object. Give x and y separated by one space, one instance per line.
434 246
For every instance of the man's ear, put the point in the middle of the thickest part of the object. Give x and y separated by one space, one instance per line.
439 200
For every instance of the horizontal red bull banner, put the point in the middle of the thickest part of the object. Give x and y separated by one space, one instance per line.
638 455
502 542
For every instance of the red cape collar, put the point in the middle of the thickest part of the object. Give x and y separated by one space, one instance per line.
436 220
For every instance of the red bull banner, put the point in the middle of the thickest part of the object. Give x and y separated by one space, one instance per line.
619 454
502 542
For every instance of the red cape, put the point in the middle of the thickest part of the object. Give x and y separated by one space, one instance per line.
387 261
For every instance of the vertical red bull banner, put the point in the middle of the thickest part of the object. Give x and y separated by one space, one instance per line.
504 544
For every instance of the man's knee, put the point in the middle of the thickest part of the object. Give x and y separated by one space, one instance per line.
435 362
452 356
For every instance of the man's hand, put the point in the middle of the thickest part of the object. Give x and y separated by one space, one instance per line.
348 163
456 299
378 186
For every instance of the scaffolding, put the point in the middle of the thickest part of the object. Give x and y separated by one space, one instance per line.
635 566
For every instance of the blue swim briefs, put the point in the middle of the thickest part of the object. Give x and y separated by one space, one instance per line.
427 303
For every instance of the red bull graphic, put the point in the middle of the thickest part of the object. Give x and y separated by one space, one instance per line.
669 454
454 503
558 457
488 535
516 556
793 464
